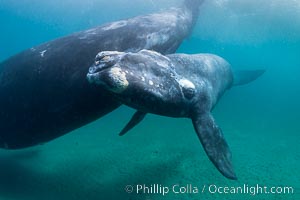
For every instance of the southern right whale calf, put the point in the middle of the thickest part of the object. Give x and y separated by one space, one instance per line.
44 91
176 85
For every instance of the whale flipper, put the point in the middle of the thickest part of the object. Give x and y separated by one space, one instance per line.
242 77
214 144
135 119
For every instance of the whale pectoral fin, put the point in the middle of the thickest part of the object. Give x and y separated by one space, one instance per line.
214 144
242 77
135 119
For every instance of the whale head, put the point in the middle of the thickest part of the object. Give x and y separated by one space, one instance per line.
106 72
145 80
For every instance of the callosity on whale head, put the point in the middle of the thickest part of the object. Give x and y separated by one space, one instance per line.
105 73
145 80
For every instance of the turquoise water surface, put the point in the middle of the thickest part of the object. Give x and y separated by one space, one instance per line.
260 121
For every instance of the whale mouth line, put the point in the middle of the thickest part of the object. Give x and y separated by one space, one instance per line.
99 67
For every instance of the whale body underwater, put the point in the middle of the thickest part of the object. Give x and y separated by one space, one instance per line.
176 85
44 90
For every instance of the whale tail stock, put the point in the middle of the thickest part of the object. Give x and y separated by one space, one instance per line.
242 77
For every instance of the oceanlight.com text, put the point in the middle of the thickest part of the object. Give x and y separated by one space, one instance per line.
252 190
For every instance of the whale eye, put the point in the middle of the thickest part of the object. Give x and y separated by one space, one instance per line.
188 92
188 88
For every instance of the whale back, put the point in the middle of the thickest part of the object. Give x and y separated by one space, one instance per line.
44 89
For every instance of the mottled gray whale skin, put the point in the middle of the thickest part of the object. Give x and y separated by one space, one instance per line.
44 90
176 85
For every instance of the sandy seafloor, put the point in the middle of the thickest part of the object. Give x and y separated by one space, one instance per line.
260 121
95 163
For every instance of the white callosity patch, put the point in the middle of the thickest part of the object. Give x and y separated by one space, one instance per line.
186 83
118 77
188 88
91 31
42 53
87 34
102 54
115 25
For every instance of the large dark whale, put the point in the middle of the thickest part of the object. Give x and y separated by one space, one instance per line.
44 91
177 85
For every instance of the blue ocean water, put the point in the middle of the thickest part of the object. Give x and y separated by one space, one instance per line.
260 121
